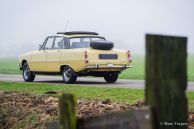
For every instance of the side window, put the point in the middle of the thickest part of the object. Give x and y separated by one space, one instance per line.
75 42
58 43
49 43
66 43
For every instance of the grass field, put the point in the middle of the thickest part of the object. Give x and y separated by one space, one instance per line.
115 94
9 66
137 72
89 93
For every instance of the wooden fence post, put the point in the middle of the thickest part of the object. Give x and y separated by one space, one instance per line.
67 113
166 80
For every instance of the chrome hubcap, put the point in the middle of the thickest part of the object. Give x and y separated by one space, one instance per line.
67 73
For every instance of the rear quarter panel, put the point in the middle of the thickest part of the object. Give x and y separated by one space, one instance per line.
74 58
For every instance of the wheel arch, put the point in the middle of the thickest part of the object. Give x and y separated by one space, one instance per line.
24 61
62 66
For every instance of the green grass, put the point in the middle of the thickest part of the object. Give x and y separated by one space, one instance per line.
90 93
9 66
115 94
138 70
190 96
190 65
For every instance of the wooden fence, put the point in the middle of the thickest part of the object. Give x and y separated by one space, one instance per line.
166 82
131 119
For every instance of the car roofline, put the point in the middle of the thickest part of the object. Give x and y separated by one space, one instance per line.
80 35
78 32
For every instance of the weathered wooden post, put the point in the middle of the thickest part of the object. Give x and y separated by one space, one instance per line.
67 113
166 80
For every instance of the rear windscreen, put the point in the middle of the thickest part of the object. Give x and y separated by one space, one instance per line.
82 42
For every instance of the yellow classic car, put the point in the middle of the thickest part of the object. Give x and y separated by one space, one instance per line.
73 54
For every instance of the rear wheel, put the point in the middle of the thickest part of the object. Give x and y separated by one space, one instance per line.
111 77
68 75
28 76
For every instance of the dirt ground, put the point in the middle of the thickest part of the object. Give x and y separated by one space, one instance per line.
28 111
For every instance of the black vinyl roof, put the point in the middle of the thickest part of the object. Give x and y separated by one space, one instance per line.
78 32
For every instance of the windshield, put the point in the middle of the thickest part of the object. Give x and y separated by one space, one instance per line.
83 42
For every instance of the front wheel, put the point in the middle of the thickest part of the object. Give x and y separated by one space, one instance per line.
111 77
28 76
68 75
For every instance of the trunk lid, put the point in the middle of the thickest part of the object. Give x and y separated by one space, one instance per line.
105 57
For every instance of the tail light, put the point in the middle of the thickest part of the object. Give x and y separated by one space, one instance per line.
86 57
129 56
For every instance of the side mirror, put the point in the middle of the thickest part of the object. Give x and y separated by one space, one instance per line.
40 47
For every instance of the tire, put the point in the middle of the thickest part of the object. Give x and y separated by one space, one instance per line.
28 76
102 45
68 75
111 77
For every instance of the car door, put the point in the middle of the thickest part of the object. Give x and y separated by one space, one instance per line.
54 55
38 62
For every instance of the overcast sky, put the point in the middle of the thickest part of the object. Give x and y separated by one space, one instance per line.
25 23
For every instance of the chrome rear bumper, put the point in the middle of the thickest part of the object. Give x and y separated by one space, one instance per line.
108 67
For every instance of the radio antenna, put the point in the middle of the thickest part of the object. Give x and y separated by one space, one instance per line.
66 25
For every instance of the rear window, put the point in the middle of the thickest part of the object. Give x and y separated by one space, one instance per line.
83 42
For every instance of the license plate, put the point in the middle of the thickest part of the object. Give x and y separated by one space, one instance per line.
108 56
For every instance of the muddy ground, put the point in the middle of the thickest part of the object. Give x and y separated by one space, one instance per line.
28 111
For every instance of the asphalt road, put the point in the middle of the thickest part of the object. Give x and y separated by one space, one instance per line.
83 81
